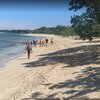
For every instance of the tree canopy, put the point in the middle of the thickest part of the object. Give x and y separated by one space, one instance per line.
86 25
58 30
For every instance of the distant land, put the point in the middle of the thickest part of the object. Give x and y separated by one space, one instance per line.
57 30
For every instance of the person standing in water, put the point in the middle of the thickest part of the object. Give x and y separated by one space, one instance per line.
29 50
27 42
31 43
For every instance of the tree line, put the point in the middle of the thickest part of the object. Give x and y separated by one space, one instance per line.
58 30
17 31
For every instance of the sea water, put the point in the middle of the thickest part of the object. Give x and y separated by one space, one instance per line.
13 45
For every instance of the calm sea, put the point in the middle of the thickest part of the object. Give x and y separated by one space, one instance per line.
12 45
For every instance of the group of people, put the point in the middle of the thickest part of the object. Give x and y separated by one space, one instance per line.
41 42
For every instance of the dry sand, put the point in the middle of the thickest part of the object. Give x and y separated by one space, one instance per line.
67 70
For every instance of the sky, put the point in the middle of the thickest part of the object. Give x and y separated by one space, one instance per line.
32 14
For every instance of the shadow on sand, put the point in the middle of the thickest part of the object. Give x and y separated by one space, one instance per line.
36 95
88 80
72 57
89 42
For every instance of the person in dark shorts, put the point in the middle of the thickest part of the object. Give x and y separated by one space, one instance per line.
46 40
35 42
29 50
27 42
31 43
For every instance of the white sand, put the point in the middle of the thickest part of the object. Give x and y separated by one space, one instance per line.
71 74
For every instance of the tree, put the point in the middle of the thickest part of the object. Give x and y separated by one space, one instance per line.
83 27
87 24
58 30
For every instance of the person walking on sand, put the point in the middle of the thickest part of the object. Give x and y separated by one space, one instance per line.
29 50
35 42
52 41
40 42
46 40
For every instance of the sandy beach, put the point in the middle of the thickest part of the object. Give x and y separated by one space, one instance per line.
67 70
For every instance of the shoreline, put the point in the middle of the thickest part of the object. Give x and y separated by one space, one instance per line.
18 54
23 54
22 77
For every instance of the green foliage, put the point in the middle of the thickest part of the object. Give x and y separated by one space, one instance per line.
86 25
58 30
17 31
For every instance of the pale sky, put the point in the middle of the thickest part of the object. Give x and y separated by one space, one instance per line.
31 15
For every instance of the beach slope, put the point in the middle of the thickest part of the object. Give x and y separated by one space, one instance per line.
69 69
